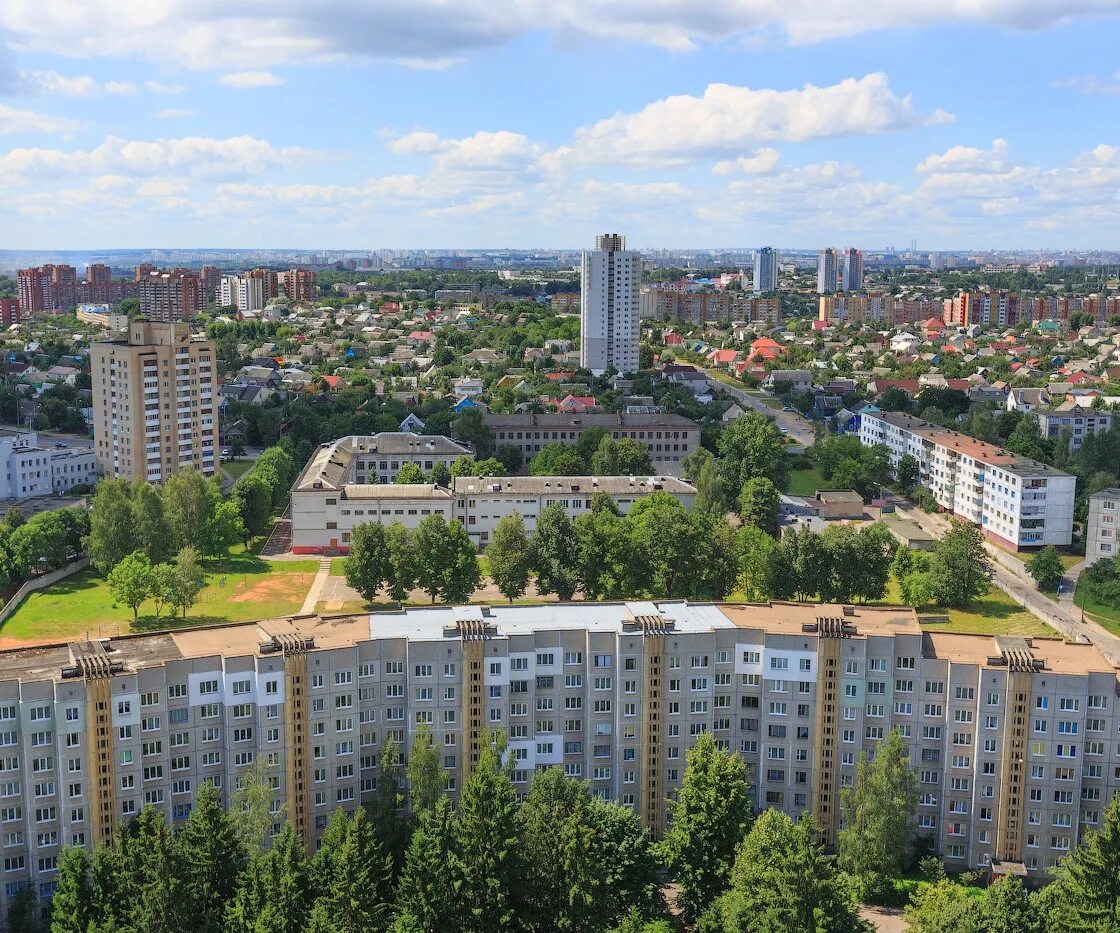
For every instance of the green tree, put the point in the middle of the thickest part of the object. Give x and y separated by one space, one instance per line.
425 773
710 497
1046 568
187 581
693 464
441 474
447 561
254 503
1007 908
224 529
604 462
211 855
603 548
781 880
510 556
880 814
429 888
1088 879
666 546
153 533
357 897
402 562
632 458
709 817
189 500
471 428
367 565
410 473
555 552
557 459
130 581
943 907
152 878
112 526
907 471
251 805
961 570
752 446
488 838
760 504
464 466
754 549
71 906
718 557
388 808
275 467
510 457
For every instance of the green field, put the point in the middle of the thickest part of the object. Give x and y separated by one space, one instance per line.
235 469
805 482
239 588
1100 613
994 614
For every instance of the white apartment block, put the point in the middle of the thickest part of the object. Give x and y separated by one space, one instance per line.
31 470
765 270
1013 741
610 277
244 292
1017 502
1080 422
323 518
1101 534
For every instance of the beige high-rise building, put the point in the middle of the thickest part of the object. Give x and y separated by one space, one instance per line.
155 406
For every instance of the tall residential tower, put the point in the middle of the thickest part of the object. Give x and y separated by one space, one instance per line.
826 271
609 316
766 270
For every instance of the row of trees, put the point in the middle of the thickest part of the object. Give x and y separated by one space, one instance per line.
405 861
596 453
46 541
956 572
186 511
442 474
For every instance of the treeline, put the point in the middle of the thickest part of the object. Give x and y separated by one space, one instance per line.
46 541
406 862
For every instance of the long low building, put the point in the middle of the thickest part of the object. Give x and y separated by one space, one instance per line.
668 438
376 458
1017 502
31 470
1013 740
323 518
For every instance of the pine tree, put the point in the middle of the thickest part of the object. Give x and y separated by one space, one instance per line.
72 904
357 898
429 886
212 856
388 809
708 818
1088 879
488 836
152 877
880 814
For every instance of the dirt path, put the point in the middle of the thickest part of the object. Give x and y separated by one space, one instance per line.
885 919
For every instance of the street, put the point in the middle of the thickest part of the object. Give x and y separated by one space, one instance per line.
790 423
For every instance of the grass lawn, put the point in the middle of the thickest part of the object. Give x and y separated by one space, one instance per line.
994 614
235 469
805 482
338 566
239 588
1068 560
1099 612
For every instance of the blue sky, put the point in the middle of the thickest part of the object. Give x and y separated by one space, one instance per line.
411 123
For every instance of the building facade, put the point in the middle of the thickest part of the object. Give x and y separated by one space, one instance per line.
668 438
50 288
1018 502
999 308
765 270
1101 540
171 295
299 284
700 307
31 470
9 311
323 517
610 276
827 271
155 395
244 292
851 270
1080 422
1012 740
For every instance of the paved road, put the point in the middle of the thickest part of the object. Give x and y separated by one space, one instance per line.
47 438
791 423
1012 578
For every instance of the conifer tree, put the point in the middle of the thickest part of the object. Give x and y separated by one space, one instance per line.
425 776
212 856
357 897
71 906
428 892
1088 879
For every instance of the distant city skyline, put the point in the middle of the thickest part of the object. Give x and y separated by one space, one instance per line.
419 125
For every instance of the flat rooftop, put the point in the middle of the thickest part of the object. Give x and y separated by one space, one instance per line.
545 485
590 420
332 464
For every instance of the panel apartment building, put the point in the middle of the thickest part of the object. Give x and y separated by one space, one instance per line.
329 500
1013 741
1017 502
668 438
155 402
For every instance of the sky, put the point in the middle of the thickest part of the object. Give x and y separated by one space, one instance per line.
365 124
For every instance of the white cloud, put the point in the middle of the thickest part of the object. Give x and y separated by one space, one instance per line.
433 33
51 82
174 113
159 87
195 156
14 120
1091 84
728 118
763 162
250 79
967 159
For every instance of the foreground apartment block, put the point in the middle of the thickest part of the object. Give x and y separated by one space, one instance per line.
1017 502
668 438
324 514
1101 530
154 402
1013 741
